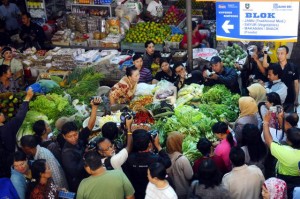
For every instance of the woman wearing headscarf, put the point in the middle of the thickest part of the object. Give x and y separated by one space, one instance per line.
257 92
248 115
181 170
274 188
8 59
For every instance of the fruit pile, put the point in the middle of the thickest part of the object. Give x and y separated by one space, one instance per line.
9 104
175 38
143 32
173 16
231 54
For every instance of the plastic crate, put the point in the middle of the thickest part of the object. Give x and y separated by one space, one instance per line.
139 47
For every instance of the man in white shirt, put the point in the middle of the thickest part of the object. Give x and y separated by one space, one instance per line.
243 182
275 84
106 149
154 10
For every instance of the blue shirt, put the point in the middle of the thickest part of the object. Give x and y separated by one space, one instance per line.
7 189
10 14
19 182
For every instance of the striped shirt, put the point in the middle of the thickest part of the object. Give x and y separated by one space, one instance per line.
145 75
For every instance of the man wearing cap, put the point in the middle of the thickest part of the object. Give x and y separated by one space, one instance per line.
221 75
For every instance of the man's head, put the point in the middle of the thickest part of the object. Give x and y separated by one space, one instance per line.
180 70
293 137
293 119
26 18
110 130
5 2
150 47
141 140
274 72
70 132
237 156
105 148
29 144
20 163
282 53
216 64
92 162
137 61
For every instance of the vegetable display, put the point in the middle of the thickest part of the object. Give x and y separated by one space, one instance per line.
189 93
141 101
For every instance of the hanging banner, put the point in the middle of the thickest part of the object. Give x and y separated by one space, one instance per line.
257 21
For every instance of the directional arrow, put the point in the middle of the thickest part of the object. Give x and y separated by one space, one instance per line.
226 26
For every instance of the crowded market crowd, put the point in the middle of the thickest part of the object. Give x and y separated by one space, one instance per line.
257 156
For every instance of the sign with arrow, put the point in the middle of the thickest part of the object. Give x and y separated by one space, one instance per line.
257 21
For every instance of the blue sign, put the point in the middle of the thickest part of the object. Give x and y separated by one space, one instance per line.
257 21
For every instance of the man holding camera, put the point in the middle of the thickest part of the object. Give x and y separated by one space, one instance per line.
143 156
222 75
75 147
106 149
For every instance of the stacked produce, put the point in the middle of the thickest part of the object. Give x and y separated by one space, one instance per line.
143 32
141 101
9 103
214 103
173 16
232 54
175 38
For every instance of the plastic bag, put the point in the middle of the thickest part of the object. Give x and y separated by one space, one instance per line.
144 89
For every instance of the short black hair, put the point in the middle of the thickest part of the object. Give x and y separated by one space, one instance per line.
141 139
27 14
39 127
274 98
93 160
204 146
99 141
237 156
209 174
19 156
29 141
276 68
68 127
162 60
136 57
149 42
286 48
3 69
156 55
37 168
293 119
293 135
158 170
130 70
110 130
220 127
177 65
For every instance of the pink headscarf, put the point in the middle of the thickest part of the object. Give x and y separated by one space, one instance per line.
277 188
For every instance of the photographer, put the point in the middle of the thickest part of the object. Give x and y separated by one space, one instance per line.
287 156
143 156
106 149
75 147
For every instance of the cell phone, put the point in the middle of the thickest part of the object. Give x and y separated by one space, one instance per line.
93 98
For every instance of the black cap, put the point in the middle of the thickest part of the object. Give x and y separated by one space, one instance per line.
215 59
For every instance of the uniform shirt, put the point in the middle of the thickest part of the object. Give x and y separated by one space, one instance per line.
10 13
287 157
290 74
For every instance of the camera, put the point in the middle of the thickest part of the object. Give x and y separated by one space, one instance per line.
93 98
92 143
209 74
153 134
126 114
275 109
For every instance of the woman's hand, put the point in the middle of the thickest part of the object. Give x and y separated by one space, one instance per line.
267 117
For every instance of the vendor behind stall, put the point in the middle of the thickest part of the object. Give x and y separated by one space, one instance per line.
154 10
7 83
148 55
32 34
222 75
15 65
123 91
145 73
197 38
166 72
183 78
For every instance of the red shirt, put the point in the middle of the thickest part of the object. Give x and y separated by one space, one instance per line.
218 161
196 39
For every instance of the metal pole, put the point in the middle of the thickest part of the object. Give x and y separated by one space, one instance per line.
189 34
